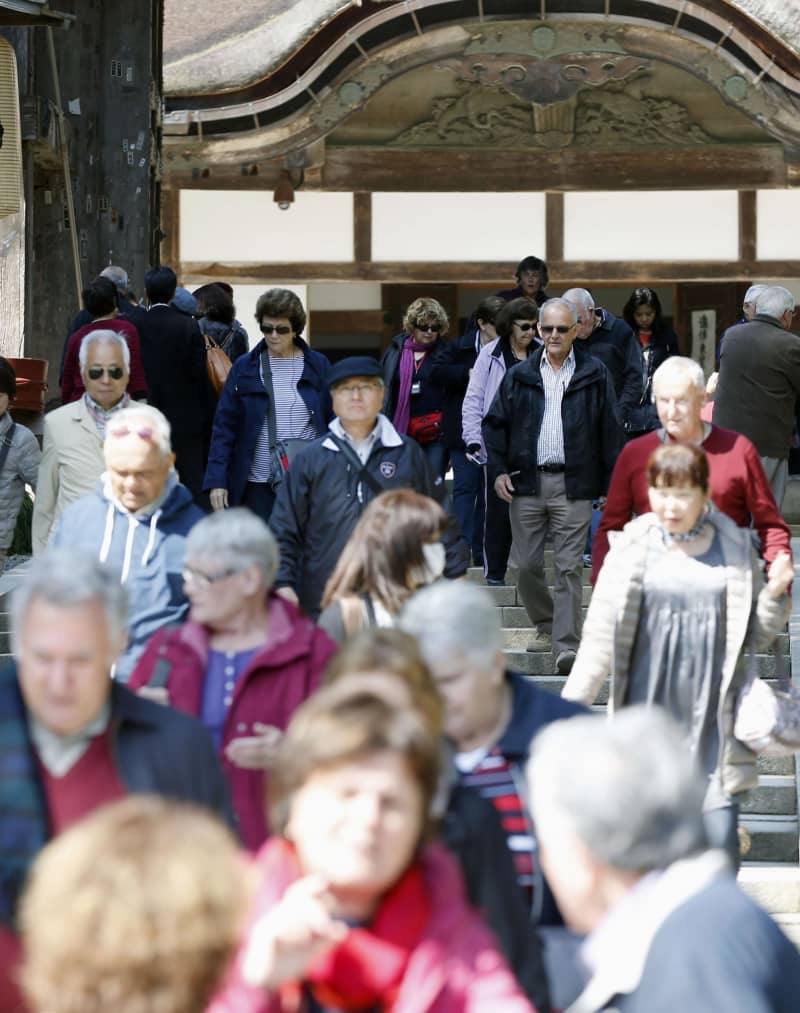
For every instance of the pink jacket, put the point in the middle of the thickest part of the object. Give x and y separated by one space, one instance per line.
487 374
277 680
456 968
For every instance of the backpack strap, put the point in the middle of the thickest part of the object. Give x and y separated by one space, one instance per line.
353 618
362 472
271 422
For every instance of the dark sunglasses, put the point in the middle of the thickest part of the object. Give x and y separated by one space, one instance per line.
115 372
280 329
559 328
146 433
527 326
433 328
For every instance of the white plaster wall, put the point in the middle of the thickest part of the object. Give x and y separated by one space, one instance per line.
778 230
457 226
651 225
247 225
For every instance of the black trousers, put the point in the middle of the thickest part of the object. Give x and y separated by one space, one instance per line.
496 536
259 497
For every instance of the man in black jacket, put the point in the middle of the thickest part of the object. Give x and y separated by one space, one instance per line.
610 340
73 739
174 360
552 436
332 480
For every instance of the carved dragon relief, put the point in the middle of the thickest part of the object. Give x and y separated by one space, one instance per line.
595 103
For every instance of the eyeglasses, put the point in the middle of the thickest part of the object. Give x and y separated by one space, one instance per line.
434 328
362 389
559 328
145 433
272 329
526 326
204 580
115 372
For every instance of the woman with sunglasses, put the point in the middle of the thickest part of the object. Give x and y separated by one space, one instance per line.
414 400
243 661
275 395
516 329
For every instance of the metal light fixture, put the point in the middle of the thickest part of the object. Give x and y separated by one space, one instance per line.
285 188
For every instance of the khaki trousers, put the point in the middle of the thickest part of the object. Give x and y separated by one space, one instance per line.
567 522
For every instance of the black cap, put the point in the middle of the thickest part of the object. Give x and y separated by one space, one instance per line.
8 378
355 365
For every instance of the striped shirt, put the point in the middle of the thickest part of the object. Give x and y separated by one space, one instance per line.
494 778
550 445
292 418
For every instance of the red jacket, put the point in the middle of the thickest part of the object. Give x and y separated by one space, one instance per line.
455 968
739 488
277 680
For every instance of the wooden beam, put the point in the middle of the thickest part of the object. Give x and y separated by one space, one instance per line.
494 272
554 226
362 226
170 252
747 225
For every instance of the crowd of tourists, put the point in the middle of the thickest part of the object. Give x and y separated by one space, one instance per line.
261 750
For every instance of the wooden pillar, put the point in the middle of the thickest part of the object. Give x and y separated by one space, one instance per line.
362 227
171 229
747 225
554 227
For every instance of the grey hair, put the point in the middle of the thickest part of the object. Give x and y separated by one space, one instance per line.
752 294
118 276
774 302
680 368
106 337
67 578
236 538
580 298
554 304
628 788
454 619
128 417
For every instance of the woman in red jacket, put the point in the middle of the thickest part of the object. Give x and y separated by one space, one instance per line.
244 660
355 911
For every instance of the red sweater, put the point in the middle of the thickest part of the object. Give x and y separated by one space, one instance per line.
72 381
90 783
739 488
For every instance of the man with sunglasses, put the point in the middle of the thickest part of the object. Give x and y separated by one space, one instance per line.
136 519
552 435
72 460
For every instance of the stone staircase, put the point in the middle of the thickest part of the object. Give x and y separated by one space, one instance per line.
769 814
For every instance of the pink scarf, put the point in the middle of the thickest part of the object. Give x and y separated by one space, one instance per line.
402 412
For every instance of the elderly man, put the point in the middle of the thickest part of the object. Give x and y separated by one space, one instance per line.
552 435
492 716
739 487
759 383
72 459
137 519
333 479
72 739
611 341
619 811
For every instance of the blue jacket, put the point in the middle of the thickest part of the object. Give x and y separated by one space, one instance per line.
157 749
241 411
148 551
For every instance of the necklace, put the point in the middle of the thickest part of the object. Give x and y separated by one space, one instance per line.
686 536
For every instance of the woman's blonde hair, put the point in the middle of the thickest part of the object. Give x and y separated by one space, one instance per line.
385 548
425 310
136 909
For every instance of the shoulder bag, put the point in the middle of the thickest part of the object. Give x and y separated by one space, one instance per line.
218 365
767 719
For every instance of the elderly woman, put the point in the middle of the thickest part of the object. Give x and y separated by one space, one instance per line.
275 397
678 598
156 893
244 660
516 330
72 457
414 399
101 299
376 575
356 911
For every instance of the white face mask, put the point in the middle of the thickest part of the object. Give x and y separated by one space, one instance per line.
434 557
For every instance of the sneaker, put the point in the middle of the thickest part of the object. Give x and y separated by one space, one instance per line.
541 642
495 582
564 662
587 560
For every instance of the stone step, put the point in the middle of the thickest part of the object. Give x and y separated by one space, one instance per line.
776 765
775 887
507 595
776 795
475 574
773 838
516 616
790 926
543 663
